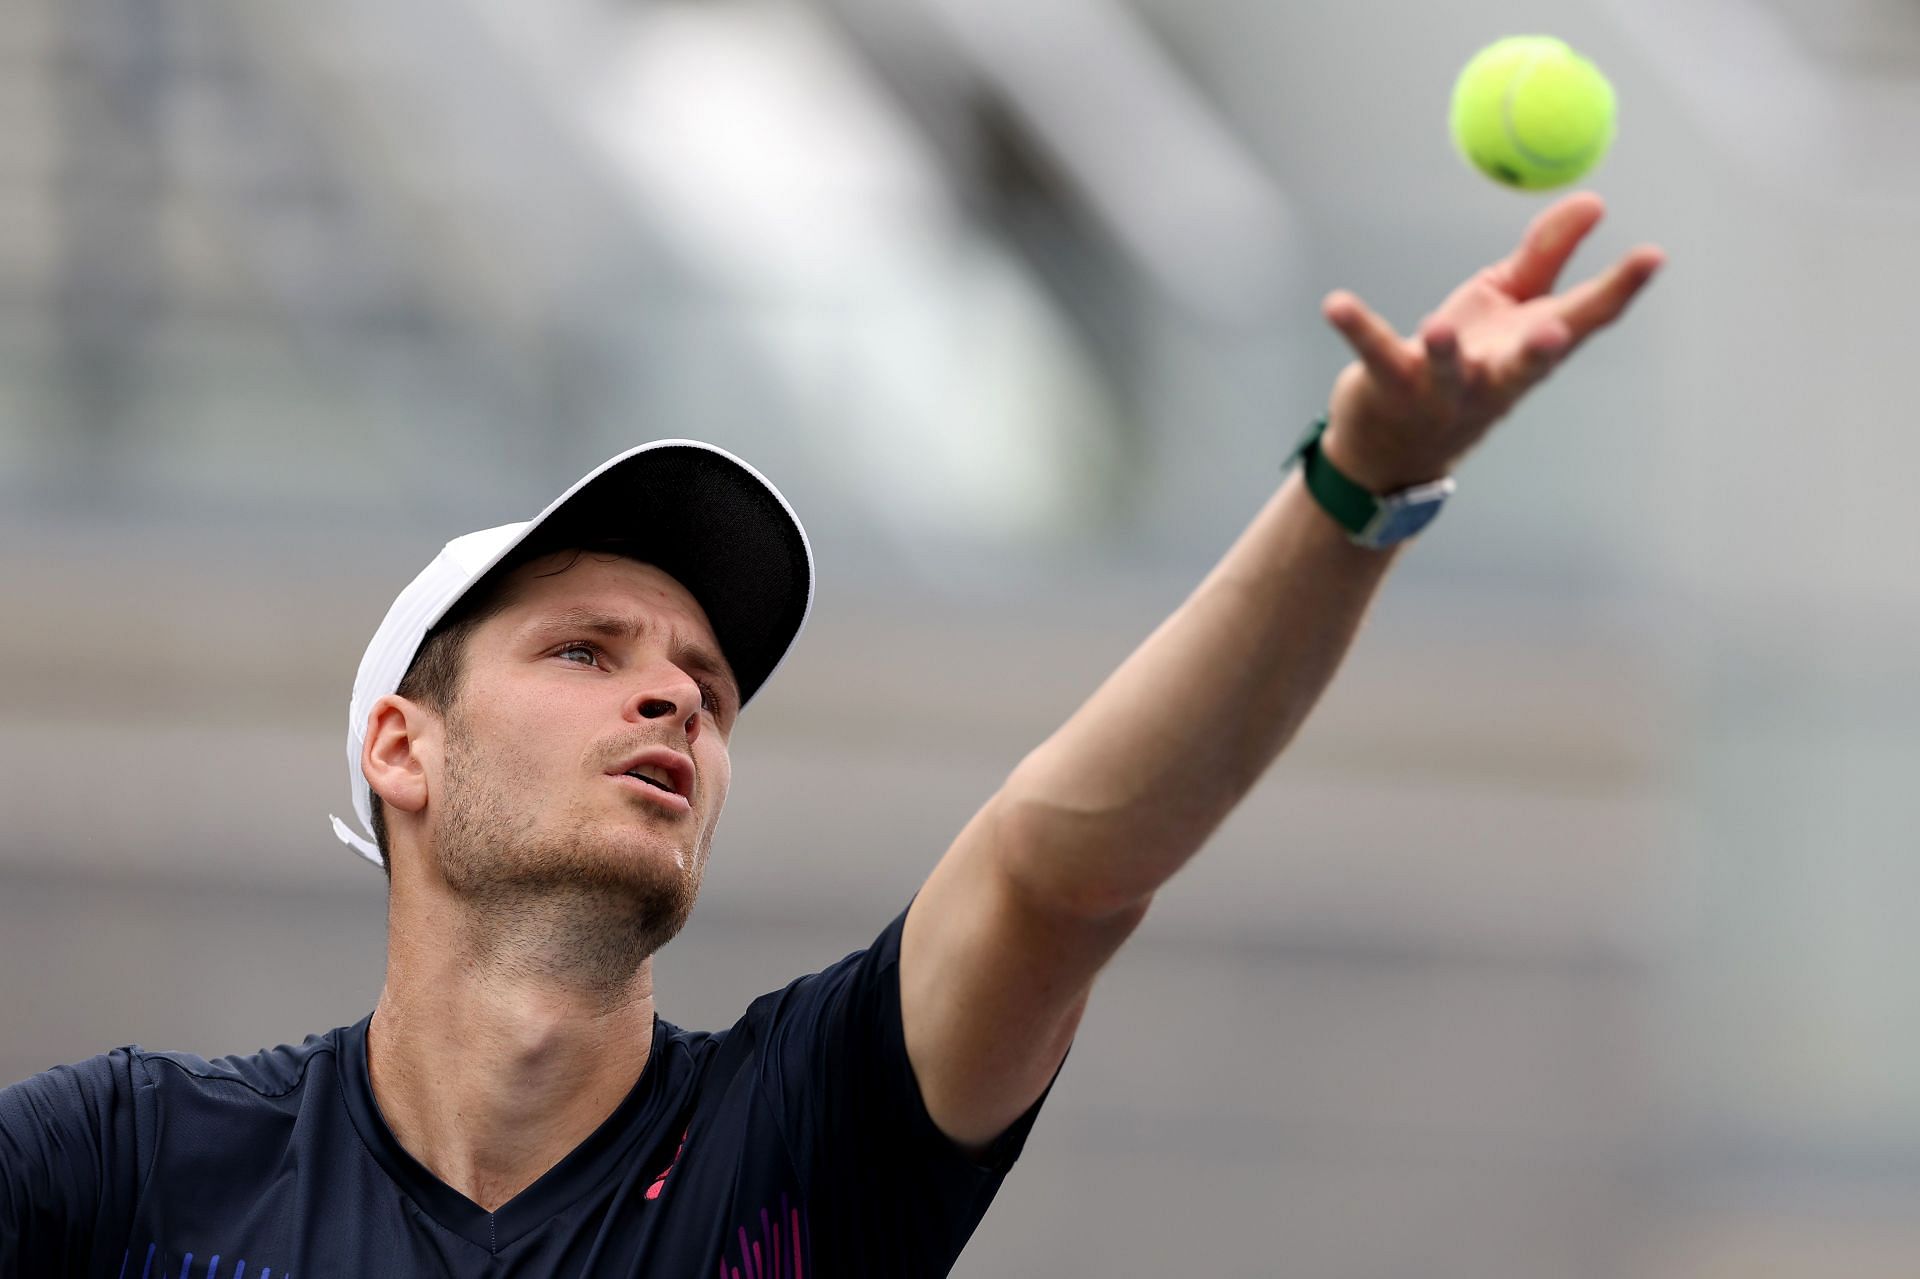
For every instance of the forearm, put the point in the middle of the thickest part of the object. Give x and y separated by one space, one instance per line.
1116 801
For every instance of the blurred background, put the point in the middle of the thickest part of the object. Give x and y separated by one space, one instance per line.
1571 939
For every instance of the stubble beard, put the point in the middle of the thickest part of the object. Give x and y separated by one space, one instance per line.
571 902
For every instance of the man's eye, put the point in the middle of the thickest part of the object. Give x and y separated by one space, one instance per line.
709 698
593 654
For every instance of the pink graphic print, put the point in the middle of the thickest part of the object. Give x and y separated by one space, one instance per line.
777 1252
660 1182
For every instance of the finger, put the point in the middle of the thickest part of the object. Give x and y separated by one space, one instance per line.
1445 374
1549 241
1371 338
1545 345
1596 303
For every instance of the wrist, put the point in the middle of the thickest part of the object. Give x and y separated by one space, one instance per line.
1374 469
1375 520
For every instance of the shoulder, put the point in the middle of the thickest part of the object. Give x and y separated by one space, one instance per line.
819 1033
111 1116
784 1028
269 1073
84 1090
866 975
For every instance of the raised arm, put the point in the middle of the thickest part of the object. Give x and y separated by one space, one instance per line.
1002 944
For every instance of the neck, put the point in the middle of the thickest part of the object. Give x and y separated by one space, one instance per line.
497 1045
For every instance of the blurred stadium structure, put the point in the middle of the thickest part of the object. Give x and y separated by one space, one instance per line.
1573 938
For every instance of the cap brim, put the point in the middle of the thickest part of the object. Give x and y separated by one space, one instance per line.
713 522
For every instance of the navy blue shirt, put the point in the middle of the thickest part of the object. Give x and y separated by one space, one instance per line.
793 1145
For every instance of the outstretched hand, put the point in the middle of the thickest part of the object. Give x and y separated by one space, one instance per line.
1408 409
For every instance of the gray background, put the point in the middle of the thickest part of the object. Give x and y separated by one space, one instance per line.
1572 937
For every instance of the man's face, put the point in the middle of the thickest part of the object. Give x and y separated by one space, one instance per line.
586 752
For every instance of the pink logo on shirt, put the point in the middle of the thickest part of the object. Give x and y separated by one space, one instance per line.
660 1182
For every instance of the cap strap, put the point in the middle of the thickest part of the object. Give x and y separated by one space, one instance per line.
351 839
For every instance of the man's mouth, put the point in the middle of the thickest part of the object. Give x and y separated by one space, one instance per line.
666 775
653 792
653 776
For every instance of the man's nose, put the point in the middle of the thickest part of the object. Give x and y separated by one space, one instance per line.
668 693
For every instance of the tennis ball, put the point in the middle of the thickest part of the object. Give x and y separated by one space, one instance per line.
1530 112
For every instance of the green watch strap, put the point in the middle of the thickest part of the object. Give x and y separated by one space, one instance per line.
1351 506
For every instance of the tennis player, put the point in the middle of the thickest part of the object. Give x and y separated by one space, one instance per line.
538 752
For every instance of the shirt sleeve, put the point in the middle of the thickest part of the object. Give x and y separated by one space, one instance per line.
892 1194
68 1167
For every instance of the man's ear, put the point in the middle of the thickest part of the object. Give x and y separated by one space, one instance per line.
402 738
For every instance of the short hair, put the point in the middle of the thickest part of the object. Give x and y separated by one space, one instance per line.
433 677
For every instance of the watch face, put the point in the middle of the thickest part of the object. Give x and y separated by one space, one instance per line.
1402 516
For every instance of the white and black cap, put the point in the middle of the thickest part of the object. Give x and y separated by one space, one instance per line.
691 509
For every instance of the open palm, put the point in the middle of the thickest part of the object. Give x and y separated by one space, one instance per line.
1408 409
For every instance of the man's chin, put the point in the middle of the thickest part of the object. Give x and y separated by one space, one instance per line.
643 868
609 900
635 863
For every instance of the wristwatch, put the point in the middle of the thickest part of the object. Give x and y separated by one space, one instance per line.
1370 520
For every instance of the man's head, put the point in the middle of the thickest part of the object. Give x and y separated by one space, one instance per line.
561 737
537 737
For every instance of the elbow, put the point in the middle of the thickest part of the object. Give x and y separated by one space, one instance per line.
1069 862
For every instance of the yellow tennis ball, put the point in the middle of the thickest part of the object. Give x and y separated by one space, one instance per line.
1530 112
